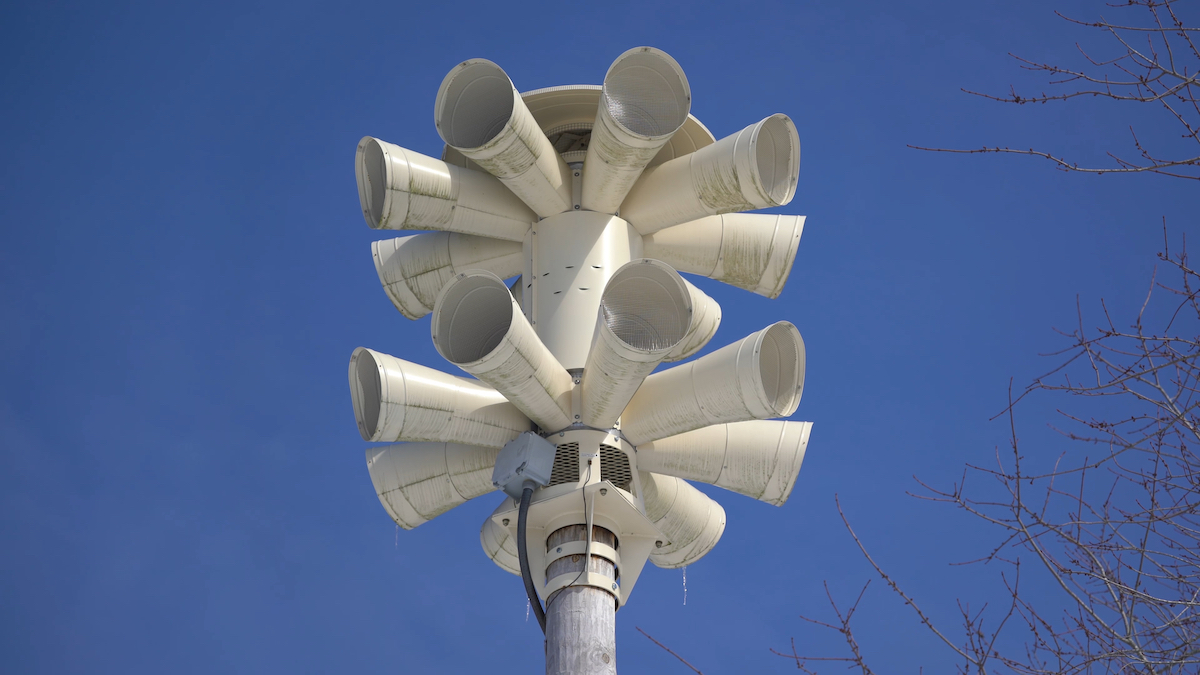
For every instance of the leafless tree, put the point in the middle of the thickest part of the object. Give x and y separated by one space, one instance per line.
1114 521
1151 58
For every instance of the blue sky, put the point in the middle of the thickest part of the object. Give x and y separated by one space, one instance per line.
185 272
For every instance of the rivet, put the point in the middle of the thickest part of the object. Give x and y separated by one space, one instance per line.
559 550
657 544
603 491
576 207
505 521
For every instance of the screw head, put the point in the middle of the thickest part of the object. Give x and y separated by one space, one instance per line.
657 544
603 491
559 550
506 522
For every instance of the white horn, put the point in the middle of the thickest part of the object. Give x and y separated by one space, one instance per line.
498 544
479 113
400 189
395 400
753 251
692 522
417 482
706 318
646 313
755 168
414 269
478 326
759 459
645 100
758 377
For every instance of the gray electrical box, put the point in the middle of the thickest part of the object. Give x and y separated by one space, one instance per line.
526 457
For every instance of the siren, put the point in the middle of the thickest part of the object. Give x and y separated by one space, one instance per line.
417 482
759 459
753 251
756 168
395 400
414 269
645 100
498 543
478 326
758 377
400 189
692 522
479 113
647 313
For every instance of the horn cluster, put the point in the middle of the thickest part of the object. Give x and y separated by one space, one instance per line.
594 199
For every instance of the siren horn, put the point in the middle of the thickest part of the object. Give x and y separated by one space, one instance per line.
395 400
478 326
645 100
753 251
690 519
414 269
758 377
417 482
479 113
498 544
756 168
400 189
759 459
646 314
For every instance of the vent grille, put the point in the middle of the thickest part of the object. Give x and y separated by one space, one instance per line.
566 464
614 467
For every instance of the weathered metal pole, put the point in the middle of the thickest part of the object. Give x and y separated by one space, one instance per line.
581 620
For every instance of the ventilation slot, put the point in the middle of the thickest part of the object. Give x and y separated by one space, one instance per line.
566 464
614 467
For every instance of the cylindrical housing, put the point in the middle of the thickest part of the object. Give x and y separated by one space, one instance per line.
479 113
498 544
690 519
395 400
478 326
414 269
645 312
417 482
645 100
758 377
753 251
755 168
759 459
400 189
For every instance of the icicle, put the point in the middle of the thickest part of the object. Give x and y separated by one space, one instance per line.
527 608
685 585
397 536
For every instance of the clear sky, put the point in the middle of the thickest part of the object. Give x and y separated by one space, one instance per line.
184 272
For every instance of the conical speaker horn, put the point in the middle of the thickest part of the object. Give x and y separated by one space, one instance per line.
692 522
395 400
478 326
414 269
498 544
759 459
759 377
479 113
753 251
646 314
755 168
400 189
645 100
417 482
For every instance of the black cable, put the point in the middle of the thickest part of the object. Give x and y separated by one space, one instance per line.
523 557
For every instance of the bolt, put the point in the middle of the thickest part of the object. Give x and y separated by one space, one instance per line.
505 521
559 550
576 207
576 173
657 544
606 655
603 491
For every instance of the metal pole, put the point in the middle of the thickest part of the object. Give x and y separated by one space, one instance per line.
581 620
